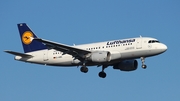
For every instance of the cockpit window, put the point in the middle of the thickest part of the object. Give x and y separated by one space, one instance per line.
153 41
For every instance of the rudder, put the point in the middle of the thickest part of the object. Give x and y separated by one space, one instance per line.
29 45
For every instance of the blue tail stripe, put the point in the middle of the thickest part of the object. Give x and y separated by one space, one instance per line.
31 46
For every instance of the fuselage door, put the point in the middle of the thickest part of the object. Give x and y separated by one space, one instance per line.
139 43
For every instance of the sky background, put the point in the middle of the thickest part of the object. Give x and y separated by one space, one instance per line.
85 21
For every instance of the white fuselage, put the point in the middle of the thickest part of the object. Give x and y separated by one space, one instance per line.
121 49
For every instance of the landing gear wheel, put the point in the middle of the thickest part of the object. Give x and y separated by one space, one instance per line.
84 69
144 66
143 63
102 74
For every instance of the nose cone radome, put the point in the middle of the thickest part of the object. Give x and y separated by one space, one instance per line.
163 47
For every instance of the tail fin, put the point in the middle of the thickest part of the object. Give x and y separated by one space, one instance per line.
29 45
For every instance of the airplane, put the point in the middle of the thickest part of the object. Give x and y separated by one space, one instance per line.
121 54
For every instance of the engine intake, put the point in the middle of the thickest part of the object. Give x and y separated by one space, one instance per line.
127 65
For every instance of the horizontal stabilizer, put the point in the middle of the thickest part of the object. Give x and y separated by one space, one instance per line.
18 54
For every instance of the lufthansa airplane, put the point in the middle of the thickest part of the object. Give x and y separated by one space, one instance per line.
121 54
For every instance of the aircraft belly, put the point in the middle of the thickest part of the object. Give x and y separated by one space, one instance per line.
61 61
139 53
133 54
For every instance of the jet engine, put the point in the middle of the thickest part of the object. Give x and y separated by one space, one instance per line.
100 56
127 65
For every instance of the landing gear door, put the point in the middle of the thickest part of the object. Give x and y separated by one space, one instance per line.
139 43
45 55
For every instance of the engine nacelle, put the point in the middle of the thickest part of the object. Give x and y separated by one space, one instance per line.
100 56
127 65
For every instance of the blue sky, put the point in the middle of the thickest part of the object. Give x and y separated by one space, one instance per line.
82 21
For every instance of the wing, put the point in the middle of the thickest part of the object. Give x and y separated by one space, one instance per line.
18 54
75 52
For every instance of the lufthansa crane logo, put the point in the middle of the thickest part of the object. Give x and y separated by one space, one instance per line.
27 37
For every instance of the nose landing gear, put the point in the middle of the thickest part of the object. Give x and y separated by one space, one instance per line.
144 66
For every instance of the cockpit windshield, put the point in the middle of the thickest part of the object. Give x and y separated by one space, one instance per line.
153 41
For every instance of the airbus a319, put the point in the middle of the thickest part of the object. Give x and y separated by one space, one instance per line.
121 54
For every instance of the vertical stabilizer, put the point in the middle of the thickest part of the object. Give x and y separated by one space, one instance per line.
26 35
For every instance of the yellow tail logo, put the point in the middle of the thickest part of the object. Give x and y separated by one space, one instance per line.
27 37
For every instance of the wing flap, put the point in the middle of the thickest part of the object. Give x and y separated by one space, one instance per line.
18 54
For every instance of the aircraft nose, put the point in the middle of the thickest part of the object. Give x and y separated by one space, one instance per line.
163 47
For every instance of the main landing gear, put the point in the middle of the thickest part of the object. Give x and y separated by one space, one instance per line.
102 74
84 69
144 66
